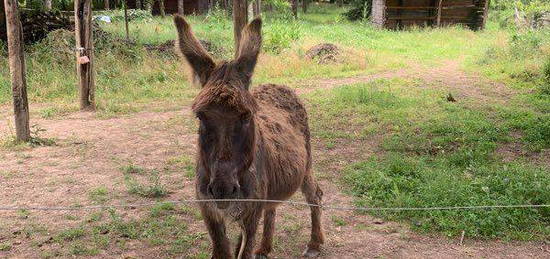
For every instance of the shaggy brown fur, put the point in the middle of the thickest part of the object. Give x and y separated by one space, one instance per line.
252 145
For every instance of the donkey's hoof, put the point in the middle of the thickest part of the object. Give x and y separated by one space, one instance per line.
258 256
311 253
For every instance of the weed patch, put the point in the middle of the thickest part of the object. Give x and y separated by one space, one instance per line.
153 188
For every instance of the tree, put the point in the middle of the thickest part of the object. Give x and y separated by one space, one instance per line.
240 19
180 7
304 5
107 7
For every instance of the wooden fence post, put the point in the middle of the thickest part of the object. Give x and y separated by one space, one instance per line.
240 18
84 53
17 71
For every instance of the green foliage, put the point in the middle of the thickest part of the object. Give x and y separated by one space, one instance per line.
280 35
360 10
503 11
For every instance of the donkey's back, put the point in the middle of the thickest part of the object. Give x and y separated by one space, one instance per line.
283 124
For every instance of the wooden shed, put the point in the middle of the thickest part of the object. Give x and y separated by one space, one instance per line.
189 7
399 14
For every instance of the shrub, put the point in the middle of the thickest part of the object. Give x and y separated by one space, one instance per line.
361 10
280 35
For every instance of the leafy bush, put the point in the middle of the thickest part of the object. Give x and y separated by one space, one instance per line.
361 10
280 35
527 44
281 9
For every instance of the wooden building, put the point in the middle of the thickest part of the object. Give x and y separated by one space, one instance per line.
399 14
189 7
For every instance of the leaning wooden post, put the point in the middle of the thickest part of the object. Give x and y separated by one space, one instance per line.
17 71
439 5
84 53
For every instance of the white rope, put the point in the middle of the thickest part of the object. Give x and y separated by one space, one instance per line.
327 207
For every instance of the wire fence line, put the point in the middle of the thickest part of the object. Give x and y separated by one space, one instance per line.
296 203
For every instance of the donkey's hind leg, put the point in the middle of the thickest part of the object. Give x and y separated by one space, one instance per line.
267 235
313 195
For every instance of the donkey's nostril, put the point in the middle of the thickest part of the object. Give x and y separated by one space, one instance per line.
235 189
210 190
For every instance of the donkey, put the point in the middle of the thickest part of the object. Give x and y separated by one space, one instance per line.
252 145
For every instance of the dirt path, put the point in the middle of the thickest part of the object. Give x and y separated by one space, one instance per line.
90 151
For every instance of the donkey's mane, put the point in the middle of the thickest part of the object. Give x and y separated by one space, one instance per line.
225 89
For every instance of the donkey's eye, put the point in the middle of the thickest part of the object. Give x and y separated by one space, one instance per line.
245 118
200 116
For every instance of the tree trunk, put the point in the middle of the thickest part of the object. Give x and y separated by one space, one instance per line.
17 71
107 5
340 3
85 53
48 5
378 14
240 18
257 8
295 8
180 7
161 8
304 5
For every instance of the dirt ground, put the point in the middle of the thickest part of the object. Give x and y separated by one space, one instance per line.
90 151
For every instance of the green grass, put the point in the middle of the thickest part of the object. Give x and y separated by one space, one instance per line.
164 227
128 78
436 153
99 194
151 187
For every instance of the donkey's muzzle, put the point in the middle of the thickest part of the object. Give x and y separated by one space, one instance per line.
223 190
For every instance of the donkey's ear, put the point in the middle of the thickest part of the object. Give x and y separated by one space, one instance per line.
198 58
249 47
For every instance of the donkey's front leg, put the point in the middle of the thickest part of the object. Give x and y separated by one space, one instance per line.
248 225
216 228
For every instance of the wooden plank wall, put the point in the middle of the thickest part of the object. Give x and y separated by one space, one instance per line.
400 14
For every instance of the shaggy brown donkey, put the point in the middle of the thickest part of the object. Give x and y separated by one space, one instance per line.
252 145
